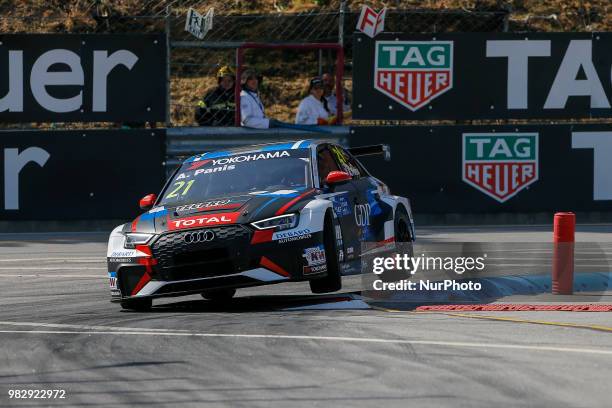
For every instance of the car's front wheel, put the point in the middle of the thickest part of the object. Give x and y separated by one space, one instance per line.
138 305
332 282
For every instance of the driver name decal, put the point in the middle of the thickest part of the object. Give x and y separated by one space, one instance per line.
228 163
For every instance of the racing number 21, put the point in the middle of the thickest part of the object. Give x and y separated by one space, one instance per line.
179 186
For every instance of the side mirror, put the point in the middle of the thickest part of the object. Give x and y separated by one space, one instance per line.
146 202
337 177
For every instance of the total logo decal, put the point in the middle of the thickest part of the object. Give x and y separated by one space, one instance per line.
362 214
413 73
203 220
315 260
500 165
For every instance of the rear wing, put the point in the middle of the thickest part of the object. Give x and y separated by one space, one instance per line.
382 149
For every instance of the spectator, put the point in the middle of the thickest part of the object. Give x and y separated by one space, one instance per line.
217 108
329 84
252 113
311 110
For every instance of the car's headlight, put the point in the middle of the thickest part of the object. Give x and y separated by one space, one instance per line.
282 222
135 238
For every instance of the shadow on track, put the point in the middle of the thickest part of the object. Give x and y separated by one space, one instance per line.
250 304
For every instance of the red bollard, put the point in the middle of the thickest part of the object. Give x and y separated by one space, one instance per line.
563 253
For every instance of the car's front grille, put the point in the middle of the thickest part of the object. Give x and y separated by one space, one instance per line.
179 258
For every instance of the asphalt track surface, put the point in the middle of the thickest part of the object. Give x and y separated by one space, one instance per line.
280 346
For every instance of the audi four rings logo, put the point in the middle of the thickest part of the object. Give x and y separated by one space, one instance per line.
200 236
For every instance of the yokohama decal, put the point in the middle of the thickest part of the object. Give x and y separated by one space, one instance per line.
203 221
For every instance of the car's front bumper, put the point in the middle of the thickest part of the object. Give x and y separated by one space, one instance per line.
237 257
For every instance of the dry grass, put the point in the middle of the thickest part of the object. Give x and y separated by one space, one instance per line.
65 15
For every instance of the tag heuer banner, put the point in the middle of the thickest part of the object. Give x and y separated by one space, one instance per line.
500 165
482 76
492 169
413 73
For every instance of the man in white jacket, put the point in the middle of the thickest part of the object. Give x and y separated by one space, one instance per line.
252 112
311 110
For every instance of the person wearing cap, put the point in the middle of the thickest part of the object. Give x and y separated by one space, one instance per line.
311 110
218 106
252 113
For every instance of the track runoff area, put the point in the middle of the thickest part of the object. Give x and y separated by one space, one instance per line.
280 345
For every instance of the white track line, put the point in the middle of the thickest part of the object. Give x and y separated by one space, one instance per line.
578 250
54 276
543 264
84 327
548 258
51 268
482 346
71 259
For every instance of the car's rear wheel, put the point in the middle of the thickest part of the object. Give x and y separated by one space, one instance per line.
402 226
332 282
219 295
403 234
138 305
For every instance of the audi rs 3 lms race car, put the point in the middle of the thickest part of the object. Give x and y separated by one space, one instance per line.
294 211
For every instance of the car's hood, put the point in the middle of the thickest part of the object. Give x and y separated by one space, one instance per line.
235 209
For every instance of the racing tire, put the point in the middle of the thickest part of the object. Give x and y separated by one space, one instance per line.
402 232
138 305
219 295
332 282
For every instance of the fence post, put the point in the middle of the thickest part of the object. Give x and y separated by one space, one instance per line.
167 32
340 65
341 23
237 85
507 18
340 85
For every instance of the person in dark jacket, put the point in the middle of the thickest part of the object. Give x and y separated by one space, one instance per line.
217 108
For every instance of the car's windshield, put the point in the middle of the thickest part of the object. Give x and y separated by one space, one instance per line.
242 173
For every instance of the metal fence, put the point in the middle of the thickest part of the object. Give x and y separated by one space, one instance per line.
286 72
193 64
